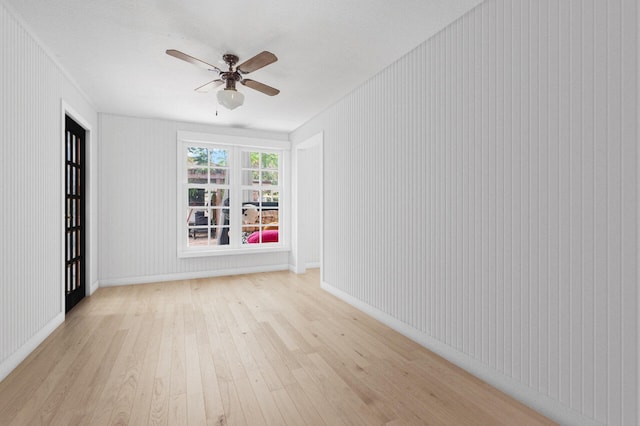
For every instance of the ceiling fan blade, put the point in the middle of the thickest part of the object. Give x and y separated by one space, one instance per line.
210 85
260 87
260 60
192 60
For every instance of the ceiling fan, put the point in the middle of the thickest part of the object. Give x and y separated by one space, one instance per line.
230 97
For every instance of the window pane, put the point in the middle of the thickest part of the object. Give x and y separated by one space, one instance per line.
267 205
197 174
73 149
250 221
219 157
197 156
198 237
270 196
260 160
250 177
263 236
251 159
197 162
270 178
269 217
222 216
251 196
250 214
202 229
198 217
220 176
197 227
68 144
269 161
196 197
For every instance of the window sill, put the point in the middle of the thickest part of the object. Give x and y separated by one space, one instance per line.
209 252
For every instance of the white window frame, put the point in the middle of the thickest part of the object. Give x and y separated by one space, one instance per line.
236 144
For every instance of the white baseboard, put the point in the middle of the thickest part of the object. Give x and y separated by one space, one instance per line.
191 275
9 364
541 403
297 269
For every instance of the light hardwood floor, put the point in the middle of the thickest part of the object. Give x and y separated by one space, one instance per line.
246 350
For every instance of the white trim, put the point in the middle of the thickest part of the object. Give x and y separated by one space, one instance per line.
638 211
224 251
235 146
63 186
321 266
93 287
77 117
320 142
541 403
298 269
67 109
245 141
294 256
10 364
312 141
192 275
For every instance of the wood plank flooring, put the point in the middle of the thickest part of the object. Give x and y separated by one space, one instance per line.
262 349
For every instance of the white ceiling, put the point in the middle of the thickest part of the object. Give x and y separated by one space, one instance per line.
115 51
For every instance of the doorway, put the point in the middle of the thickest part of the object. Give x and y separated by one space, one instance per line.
75 218
307 223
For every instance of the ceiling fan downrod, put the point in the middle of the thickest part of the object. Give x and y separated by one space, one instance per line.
230 77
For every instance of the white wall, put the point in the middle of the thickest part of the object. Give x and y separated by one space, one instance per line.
137 236
500 158
309 201
33 89
307 209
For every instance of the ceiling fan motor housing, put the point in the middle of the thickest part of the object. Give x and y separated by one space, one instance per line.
230 78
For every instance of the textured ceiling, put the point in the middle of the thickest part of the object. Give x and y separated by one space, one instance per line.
115 51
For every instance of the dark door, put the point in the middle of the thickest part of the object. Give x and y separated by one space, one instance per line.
75 224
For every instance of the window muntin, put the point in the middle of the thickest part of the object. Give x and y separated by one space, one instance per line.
211 220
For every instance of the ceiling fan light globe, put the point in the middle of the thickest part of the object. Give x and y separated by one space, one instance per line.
230 98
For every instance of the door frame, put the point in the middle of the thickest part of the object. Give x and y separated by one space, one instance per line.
67 110
296 263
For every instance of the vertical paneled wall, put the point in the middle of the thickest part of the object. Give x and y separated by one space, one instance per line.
32 87
30 189
137 198
483 190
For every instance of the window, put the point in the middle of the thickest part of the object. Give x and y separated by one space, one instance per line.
231 195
